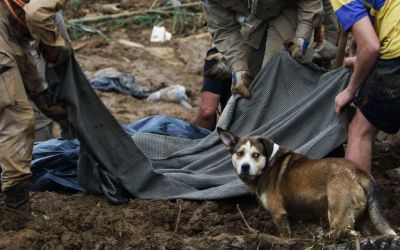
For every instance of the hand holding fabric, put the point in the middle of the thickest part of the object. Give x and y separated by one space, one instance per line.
343 99
349 62
44 103
297 47
240 83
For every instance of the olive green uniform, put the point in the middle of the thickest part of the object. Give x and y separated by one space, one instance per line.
18 72
244 45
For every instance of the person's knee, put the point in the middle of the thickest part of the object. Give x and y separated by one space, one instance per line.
207 113
21 123
17 119
30 122
24 119
361 128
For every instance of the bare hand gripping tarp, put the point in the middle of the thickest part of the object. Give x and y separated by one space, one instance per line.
292 103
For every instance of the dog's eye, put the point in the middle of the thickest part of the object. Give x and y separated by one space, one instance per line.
240 153
256 155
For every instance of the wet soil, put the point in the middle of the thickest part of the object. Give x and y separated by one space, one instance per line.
85 221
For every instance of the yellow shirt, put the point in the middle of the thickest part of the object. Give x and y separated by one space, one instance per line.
384 15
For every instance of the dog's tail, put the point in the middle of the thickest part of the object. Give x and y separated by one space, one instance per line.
374 207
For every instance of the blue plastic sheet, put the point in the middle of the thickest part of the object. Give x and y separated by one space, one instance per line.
54 162
165 125
54 165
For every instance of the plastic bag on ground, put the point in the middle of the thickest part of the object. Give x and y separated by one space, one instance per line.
175 93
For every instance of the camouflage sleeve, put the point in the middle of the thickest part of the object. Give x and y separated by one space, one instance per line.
227 37
309 16
41 21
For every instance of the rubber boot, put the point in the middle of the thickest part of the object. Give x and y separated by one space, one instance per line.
16 209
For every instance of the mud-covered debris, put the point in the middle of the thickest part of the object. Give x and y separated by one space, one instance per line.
374 243
393 173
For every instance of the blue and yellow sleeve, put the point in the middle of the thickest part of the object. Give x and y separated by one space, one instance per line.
349 11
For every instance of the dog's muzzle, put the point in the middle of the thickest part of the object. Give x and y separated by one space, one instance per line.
245 169
248 178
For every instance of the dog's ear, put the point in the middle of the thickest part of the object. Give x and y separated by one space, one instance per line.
268 146
227 137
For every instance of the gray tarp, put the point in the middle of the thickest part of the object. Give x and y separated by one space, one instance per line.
292 103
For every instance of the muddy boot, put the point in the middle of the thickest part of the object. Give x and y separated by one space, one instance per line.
15 207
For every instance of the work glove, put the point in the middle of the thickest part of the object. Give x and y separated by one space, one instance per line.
240 83
325 52
297 48
43 101
215 67
56 112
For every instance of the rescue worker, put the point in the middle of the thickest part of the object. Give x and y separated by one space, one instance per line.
240 30
216 89
374 86
21 23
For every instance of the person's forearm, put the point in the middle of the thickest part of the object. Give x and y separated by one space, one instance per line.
226 35
368 47
365 61
232 48
309 16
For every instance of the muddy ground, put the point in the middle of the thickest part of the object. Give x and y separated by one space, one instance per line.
84 221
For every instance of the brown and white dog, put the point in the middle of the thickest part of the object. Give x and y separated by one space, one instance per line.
288 183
